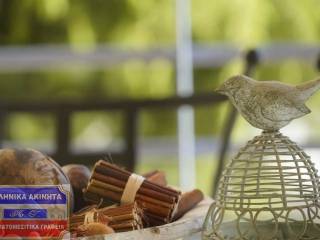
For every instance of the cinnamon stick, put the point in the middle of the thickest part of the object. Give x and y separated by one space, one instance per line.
96 199
153 220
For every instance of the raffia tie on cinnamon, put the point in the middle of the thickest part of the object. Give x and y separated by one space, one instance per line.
109 182
131 188
90 217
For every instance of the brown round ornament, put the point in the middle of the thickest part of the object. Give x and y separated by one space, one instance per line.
30 167
79 176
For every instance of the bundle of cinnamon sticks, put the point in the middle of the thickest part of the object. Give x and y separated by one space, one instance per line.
108 182
119 218
124 218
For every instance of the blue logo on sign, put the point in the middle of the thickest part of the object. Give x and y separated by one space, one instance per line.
25 213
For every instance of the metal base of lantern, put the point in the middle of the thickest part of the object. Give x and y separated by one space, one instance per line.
270 190
265 224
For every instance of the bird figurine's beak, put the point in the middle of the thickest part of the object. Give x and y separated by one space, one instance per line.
221 90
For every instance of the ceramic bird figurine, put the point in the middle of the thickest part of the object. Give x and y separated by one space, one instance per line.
268 105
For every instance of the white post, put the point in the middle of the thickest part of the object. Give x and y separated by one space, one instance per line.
186 135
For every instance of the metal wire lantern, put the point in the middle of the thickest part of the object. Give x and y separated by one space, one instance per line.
269 190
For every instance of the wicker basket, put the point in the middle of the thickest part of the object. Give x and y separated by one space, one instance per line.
270 190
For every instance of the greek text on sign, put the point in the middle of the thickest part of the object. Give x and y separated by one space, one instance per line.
34 211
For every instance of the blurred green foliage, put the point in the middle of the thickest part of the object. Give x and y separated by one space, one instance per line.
205 170
142 24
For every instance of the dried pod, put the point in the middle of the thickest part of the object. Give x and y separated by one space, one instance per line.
188 201
79 176
93 229
157 177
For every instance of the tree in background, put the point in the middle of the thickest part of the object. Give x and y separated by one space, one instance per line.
132 24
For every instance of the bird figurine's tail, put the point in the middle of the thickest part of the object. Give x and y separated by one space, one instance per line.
309 88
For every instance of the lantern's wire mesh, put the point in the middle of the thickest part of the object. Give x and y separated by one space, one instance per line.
270 178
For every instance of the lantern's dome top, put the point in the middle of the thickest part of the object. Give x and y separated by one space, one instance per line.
270 171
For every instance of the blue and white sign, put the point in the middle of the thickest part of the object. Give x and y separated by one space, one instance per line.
29 211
